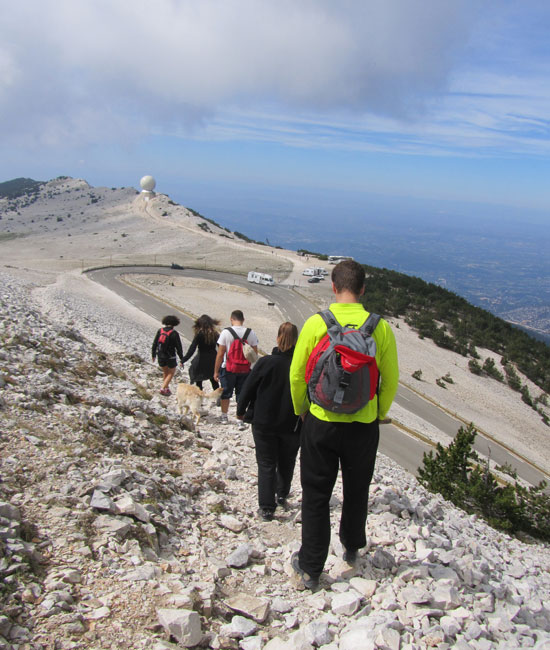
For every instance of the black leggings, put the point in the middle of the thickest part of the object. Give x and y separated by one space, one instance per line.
276 457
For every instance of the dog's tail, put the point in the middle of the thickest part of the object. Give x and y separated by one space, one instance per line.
213 395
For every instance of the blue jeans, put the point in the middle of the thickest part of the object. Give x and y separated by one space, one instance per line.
232 381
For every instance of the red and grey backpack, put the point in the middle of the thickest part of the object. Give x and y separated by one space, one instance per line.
341 372
236 361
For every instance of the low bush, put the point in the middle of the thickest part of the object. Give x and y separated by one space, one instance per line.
456 473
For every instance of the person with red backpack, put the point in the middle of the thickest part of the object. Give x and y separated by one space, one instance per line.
232 367
166 346
343 379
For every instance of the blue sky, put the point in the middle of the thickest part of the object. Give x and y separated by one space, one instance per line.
247 102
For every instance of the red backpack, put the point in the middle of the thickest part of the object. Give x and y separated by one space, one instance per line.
162 343
236 361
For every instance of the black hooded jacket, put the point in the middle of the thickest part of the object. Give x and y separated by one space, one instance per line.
267 389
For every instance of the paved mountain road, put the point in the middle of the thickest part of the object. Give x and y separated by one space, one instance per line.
404 448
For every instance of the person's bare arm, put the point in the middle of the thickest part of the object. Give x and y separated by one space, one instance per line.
219 360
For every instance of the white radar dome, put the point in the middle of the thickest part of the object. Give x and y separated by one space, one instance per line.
147 183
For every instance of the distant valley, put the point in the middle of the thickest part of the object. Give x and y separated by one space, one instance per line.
500 264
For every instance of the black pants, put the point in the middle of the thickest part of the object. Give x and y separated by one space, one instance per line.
276 456
325 447
212 381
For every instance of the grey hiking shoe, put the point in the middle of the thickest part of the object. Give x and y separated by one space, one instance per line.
309 582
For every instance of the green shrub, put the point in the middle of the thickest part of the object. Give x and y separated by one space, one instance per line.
490 368
512 377
475 367
456 474
526 396
417 374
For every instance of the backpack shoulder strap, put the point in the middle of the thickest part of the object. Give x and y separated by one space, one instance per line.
232 331
247 332
370 324
328 317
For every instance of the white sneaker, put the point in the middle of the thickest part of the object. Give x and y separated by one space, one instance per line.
224 419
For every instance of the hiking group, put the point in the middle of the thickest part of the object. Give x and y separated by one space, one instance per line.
322 393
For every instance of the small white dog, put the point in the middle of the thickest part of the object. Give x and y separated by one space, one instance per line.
189 397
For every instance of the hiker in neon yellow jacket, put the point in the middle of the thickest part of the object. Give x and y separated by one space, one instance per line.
332 440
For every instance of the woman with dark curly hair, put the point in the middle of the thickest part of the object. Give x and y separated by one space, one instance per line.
166 345
202 366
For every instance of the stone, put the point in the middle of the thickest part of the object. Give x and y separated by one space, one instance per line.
451 626
231 523
96 614
318 633
388 639
445 597
415 595
298 641
281 605
102 501
277 643
346 604
127 506
341 570
240 557
142 573
8 511
250 606
363 586
251 643
113 525
239 628
184 625
357 636
113 479
383 559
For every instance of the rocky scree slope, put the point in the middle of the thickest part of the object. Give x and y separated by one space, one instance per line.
120 525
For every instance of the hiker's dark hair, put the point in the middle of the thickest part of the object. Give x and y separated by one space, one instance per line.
237 315
170 321
207 325
348 275
287 336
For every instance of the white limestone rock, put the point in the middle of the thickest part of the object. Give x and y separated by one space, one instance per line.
346 604
183 625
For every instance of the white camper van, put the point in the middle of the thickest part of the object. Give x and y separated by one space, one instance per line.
315 270
260 278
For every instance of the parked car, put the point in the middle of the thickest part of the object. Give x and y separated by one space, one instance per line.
314 279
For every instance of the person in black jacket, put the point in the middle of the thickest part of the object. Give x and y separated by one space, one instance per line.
275 427
205 337
166 345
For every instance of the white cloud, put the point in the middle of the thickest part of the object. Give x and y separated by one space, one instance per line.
375 75
76 71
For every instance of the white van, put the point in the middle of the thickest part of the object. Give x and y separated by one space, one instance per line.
260 278
315 270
